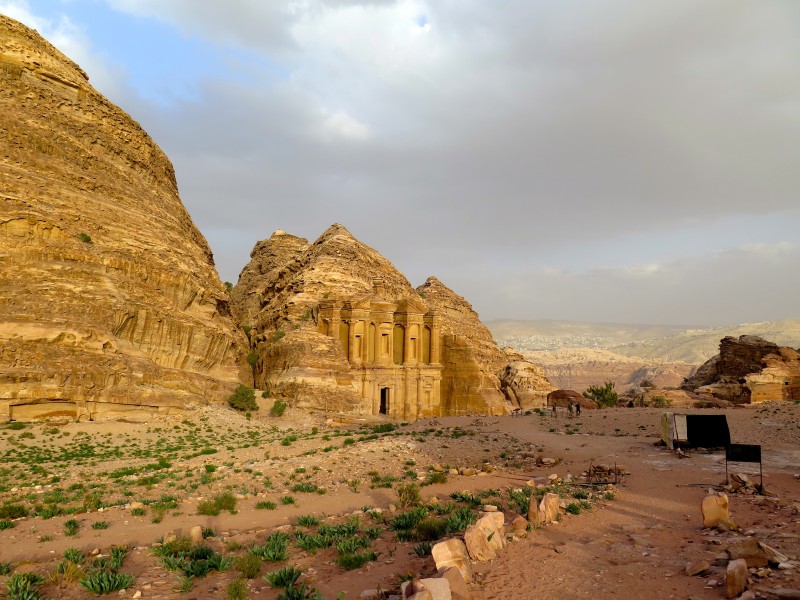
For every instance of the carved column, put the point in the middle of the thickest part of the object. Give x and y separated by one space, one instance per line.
351 336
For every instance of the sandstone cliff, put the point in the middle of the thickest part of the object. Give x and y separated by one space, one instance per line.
749 369
523 383
300 359
109 300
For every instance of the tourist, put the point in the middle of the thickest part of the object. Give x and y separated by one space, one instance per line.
570 408
555 414
577 409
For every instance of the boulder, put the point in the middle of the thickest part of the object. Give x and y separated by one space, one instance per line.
477 542
452 553
196 534
750 550
716 511
493 525
735 578
549 508
458 587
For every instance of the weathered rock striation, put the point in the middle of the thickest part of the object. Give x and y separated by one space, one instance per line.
340 329
748 370
109 300
523 383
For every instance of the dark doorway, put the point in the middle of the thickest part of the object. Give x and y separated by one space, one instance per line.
384 410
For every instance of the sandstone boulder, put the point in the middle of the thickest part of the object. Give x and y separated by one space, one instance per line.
458 587
549 508
452 553
113 307
524 383
478 545
735 578
716 512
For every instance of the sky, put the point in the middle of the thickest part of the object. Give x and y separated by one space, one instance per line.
595 160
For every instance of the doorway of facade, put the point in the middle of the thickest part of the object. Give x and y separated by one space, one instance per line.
384 409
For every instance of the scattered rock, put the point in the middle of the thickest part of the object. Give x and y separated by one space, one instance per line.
196 534
697 568
549 508
452 553
716 512
735 578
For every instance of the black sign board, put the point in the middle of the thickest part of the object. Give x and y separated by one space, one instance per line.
743 453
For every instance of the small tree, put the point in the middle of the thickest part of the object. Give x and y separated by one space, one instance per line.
243 398
604 394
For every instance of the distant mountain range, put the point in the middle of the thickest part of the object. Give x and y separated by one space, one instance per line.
688 344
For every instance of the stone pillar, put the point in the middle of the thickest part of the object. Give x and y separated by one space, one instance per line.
407 344
365 343
351 335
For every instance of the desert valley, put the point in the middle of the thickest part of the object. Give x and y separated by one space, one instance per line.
322 428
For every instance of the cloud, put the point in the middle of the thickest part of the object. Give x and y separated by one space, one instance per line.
599 140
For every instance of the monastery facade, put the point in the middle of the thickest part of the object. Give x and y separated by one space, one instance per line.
393 348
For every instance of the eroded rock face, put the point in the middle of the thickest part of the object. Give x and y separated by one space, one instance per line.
341 329
109 300
471 358
524 383
749 369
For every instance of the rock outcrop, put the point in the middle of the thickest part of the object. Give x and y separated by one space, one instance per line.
109 300
523 383
749 369
339 328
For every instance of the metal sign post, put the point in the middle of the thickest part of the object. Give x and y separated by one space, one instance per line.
745 453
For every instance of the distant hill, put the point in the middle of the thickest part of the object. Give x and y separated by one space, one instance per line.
692 345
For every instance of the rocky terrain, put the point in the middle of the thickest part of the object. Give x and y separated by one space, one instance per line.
579 368
109 302
71 492
692 345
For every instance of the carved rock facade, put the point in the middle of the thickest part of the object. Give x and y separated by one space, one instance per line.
341 330
109 302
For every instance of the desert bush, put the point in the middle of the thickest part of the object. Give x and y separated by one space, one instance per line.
105 582
236 590
220 502
278 408
243 399
604 395
275 549
660 402
71 527
85 238
248 565
408 495
13 511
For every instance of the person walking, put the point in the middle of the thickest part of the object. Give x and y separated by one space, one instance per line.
577 409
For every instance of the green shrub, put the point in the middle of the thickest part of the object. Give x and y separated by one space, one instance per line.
408 495
13 511
278 408
574 508
308 521
275 549
604 395
355 560
423 549
660 402
74 555
71 527
6 568
431 528
220 502
105 582
243 399
85 238
248 565
284 578
6 524
236 590
23 586
266 505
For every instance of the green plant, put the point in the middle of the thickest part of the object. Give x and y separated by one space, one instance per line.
248 565
436 478
308 521
236 590
6 568
408 495
278 408
303 592
243 399
185 583
105 582
220 502
138 511
23 586
423 549
100 525
74 555
71 527
604 395
13 511
6 524
287 500
573 508
355 560
277 336
660 402
266 505
85 238
275 549
284 578
431 528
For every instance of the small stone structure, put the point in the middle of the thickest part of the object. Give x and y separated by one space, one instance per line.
393 348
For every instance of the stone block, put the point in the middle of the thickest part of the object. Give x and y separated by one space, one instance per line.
735 578
458 587
748 549
452 553
716 511
477 542
549 508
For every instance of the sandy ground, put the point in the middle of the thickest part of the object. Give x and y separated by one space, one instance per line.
637 544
